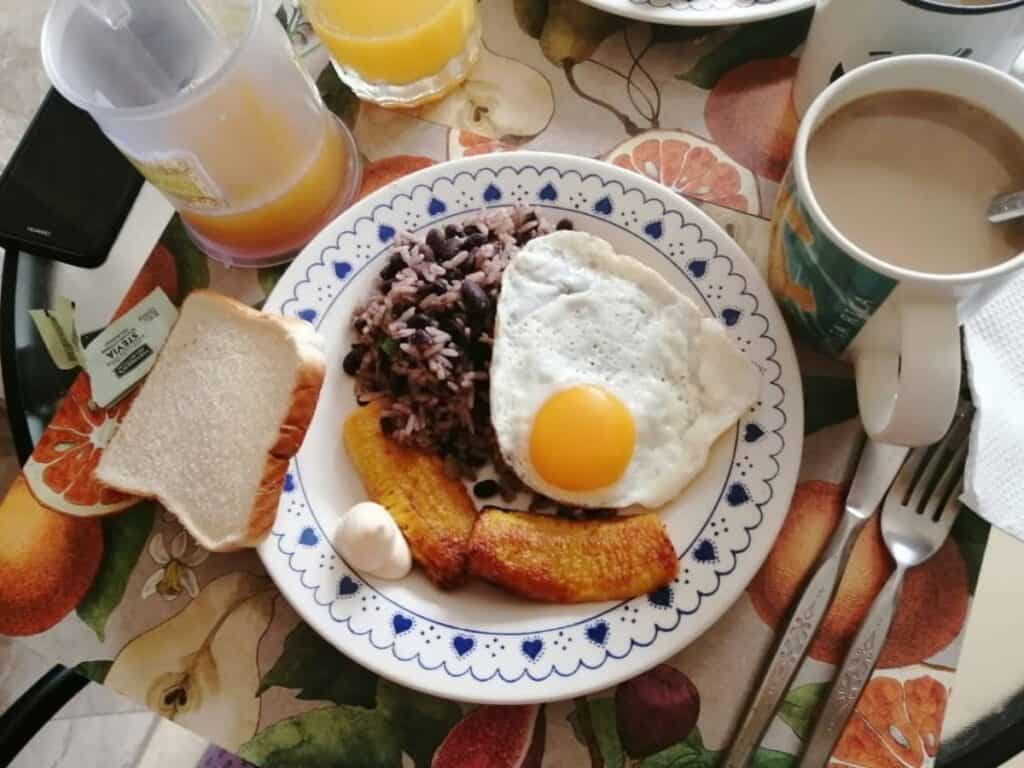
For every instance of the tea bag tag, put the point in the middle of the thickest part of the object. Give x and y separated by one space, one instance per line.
122 355
57 328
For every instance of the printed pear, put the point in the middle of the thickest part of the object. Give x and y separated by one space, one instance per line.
199 667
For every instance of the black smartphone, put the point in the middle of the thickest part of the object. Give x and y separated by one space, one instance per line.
67 190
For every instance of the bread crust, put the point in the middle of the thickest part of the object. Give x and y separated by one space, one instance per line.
309 379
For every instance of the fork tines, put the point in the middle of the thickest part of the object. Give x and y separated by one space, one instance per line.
933 475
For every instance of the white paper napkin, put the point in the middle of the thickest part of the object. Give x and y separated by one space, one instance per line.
994 484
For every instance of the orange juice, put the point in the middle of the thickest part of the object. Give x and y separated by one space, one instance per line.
287 220
396 42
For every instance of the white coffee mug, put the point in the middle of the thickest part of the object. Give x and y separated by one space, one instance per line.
899 327
846 34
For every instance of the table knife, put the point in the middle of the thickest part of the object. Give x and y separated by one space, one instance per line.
877 468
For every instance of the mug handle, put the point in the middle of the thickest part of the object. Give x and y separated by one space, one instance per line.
908 394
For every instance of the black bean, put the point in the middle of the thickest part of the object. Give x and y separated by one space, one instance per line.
474 241
485 489
474 299
452 231
360 325
435 239
418 321
471 229
385 286
353 360
448 325
479 353
564 224
388 424
395 265
399 385
422 339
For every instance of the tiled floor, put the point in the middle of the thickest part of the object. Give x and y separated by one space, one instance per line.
97 728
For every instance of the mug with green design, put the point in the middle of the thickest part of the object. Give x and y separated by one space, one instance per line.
900 328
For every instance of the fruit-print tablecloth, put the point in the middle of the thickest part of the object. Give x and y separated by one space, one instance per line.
207 641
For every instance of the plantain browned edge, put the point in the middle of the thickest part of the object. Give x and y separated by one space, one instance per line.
553 559
434 511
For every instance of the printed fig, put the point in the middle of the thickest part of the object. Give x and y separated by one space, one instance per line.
495 737
656 710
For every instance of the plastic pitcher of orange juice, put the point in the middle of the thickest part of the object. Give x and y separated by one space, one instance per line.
207 100
399 52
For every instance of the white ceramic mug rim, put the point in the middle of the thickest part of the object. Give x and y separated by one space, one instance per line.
810 122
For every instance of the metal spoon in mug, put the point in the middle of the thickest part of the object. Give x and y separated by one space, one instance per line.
1006 207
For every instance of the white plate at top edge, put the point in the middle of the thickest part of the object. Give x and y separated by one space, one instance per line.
478 643
697 13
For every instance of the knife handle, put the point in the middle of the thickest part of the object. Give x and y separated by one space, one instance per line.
857 667
792 646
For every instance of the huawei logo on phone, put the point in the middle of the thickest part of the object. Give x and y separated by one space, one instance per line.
39 231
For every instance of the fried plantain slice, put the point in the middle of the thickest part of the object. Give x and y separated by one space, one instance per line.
434 511
572 561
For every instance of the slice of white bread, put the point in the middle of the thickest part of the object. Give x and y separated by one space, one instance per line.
224 408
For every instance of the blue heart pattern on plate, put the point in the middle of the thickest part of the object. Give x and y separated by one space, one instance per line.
533 648
737 495
401 623
697 268
706 552
548 193
598 633
347 587
308 537
654 230
661 598
463 645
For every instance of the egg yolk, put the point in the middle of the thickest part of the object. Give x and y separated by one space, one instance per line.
582 439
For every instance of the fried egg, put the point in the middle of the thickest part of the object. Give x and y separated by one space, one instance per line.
608 386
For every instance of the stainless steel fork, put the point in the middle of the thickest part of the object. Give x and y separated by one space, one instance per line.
917 516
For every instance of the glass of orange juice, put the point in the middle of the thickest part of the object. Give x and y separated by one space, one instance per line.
399 52
206 98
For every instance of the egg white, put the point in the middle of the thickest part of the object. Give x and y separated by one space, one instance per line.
573 312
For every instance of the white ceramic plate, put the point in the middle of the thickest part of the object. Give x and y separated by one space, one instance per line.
697 13
479 643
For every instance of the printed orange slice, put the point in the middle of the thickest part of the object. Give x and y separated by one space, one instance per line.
895 725
59 471
689 165
469 144
382 172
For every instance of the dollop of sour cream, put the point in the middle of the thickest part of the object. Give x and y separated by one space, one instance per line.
370 541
